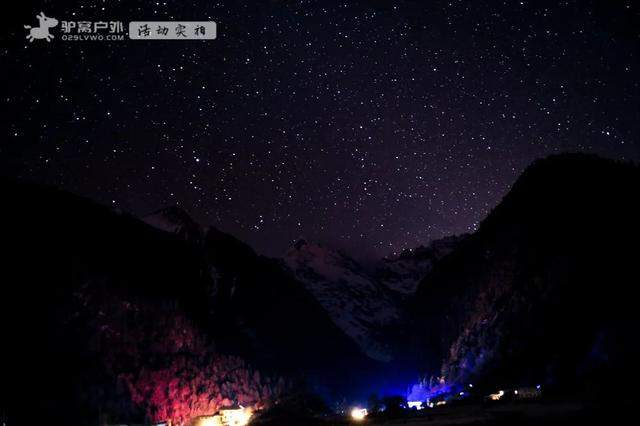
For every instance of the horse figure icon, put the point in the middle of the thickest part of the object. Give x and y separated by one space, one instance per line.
41 32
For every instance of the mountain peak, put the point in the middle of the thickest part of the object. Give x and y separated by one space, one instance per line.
403 272
300 243
175 220
532 293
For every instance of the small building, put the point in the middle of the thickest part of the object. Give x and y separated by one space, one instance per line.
229 416
496 396
215 420
235 416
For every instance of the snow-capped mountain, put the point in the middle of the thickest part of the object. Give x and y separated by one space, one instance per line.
402 273
354 300
363 303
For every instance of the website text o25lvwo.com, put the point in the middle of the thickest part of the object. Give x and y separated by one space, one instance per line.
93 37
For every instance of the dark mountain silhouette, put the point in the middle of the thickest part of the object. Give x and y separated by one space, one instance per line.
259 297
176 221
66 260
545 290
100 312
79 280
286 326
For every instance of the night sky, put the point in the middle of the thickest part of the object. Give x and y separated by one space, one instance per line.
368 125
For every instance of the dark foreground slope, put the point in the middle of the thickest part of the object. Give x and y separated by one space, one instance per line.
68 268
98 309
276 321
280 322
545 290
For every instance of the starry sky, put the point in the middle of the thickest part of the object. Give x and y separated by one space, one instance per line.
372 126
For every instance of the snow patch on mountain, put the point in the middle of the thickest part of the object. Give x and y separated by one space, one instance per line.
403 273
356 303
365 303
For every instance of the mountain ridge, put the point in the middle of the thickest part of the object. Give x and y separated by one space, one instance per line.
520 301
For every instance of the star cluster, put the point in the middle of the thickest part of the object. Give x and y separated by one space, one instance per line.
369 125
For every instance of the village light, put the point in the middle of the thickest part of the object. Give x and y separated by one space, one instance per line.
415 404
209 421
496 396
358 414
236 416
229 416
